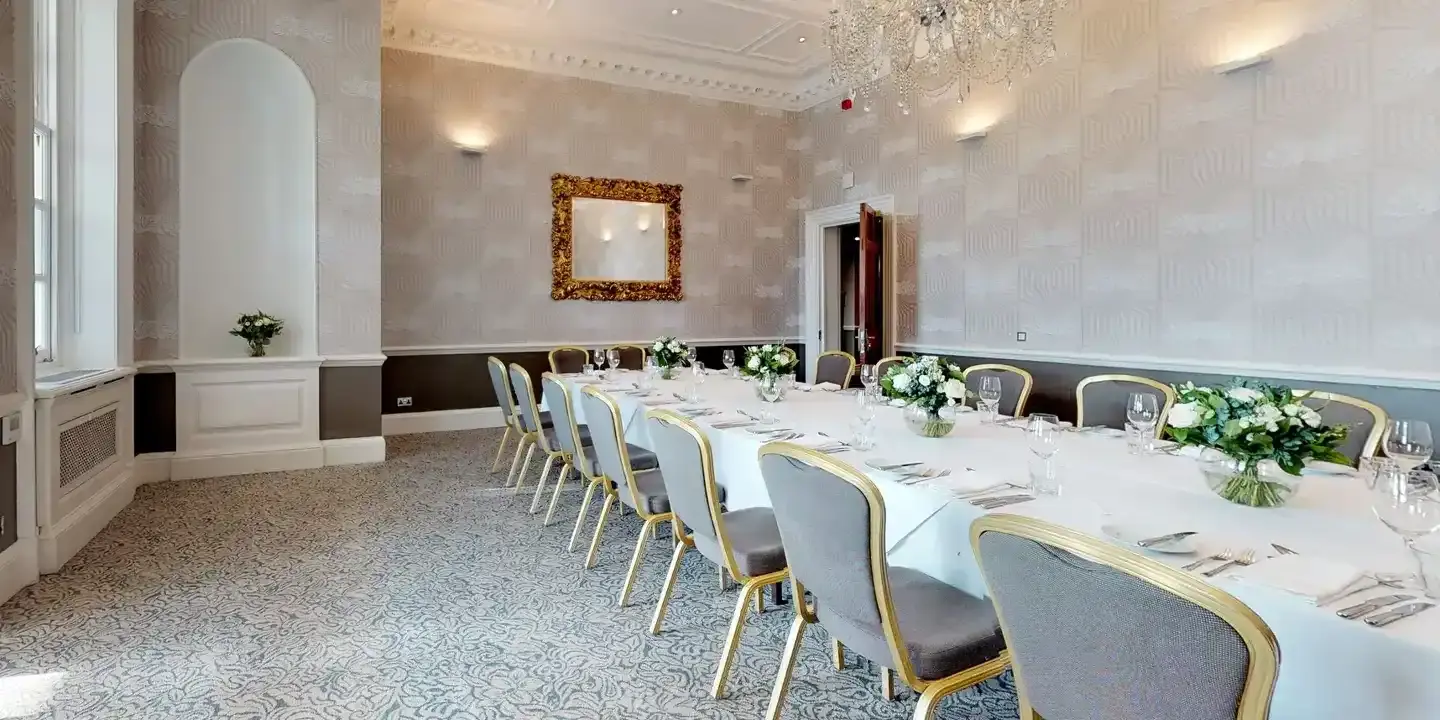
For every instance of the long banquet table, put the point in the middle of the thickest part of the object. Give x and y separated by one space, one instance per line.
1330 668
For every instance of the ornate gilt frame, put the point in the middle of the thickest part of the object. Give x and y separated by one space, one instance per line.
564 286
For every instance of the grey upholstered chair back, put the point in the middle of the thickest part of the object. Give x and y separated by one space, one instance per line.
1360 420
1091 641
568 359
524 400
1012 386
557 400
834 368
503 396
605 426
683 467
632 357
825 528
1103 403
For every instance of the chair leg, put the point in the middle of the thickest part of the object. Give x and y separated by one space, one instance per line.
540 484
500 453
645 534
580 519
838 651
787 667
668 589
555 496
732 638
941 689
760 601
515 463
559 482
599 530
525 469
724 581
887 684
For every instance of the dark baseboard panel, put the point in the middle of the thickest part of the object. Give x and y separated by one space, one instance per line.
1055 383
461 381
9 501
154 412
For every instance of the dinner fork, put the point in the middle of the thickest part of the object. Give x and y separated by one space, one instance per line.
1248 558
1222 556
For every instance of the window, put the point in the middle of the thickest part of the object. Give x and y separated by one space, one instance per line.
46 74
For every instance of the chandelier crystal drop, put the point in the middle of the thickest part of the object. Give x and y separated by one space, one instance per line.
929 46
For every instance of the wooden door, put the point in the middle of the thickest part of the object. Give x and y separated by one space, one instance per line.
869 296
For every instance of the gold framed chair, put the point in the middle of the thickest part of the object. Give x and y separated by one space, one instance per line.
505 398
1160 628
832 518
616 476
532 428
632 357
641 460
567 435
835 366
1015 385
568 359
883 365
1357 413
744 543
1104 403
558 444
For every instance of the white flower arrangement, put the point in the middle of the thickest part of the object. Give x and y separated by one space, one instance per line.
257 330
930 382
768 360
669 352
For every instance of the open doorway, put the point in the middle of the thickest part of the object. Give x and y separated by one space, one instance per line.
848 280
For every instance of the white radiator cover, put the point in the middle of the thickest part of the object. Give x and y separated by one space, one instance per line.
84 457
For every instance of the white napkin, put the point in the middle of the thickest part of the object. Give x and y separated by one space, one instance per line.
827 387
967 484
814 441
1322 468
1306 576
803 387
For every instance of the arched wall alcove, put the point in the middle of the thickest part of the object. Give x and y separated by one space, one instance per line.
247 199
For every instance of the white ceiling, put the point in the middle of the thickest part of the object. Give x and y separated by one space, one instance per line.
743 50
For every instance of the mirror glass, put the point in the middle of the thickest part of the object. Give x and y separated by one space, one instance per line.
618 240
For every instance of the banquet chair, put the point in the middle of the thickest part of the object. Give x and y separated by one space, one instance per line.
568 359
1100 399
1365 420
532 424
883 366
939 638
1098 631
572 439
745 543
614 471
548 439
1015 385
505 398
632 357
834 366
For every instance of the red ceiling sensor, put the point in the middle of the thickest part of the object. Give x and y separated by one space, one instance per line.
846 104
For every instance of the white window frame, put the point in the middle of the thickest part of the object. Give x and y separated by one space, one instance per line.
47 66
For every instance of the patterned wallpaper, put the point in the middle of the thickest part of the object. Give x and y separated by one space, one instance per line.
1129 201
467 239
10 200
337 44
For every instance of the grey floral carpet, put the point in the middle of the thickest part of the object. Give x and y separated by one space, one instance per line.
413 589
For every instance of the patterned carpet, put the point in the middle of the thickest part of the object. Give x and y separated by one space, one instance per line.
412 589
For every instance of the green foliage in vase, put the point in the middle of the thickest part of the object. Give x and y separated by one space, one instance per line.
668 352
1253 421
768 360
928 381
257 330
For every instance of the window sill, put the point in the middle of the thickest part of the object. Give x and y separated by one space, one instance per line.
59 381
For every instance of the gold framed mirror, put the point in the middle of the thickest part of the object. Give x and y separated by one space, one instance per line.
613 239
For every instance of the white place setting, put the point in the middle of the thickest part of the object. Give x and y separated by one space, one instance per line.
1322 551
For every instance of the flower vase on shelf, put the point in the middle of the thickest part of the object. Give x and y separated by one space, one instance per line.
930 423
1257 483
257 347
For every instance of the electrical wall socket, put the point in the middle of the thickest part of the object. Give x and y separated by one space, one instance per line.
1020 336
404 402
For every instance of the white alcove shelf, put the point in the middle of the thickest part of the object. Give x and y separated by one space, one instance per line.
247 243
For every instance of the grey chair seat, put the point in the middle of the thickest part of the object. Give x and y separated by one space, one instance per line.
755 540
651 488
640 459
946 630
552 441
546 422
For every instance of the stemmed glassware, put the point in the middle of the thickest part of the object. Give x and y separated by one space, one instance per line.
868 378
697 373
1143 411
1407 504
728 357
690 354
863 425
1044 431
1408 443
990 392
612 356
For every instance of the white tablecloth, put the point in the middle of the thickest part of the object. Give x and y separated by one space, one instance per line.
1330 668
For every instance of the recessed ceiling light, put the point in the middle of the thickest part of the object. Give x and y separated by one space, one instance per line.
674 11
802 38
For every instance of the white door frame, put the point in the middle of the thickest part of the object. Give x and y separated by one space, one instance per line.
812 297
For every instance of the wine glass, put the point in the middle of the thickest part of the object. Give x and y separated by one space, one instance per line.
868 377
1408 443
1143 410
990 391
728 357
1406 503
612 356
690 354
863 426
1044 432
697 372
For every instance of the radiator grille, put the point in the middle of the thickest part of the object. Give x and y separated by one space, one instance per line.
86 446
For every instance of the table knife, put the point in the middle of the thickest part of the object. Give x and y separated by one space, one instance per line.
1403 611
1163 539
1365 608
1016 500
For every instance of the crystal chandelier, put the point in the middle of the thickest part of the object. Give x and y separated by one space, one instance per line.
931 45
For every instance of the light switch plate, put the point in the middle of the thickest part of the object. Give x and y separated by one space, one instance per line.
11 433
847 180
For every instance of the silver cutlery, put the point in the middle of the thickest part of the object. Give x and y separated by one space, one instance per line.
898 466
1399 613
1163 539
748 415
731 425
918 478
1282 549
1015 500
977 494
1370 583
838 441
1248 558
1222 556
768 431
981 502
1356 611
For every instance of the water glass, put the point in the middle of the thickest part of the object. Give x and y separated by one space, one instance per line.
1406 503
1044 432
1143 409
1137 438
728 357
990 392
612 356
868 379
862 428
690 354
588 370
599 357
1372 468
1408 443
697 378
1044 477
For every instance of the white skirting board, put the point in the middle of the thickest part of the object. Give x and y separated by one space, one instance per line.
159 467
441 421
60 542
18 568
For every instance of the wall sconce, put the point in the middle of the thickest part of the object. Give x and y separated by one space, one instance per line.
1242 64
471 150
973 135
643 225
742 178
605 236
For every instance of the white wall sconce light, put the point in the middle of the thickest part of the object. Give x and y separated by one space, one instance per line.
1245 63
